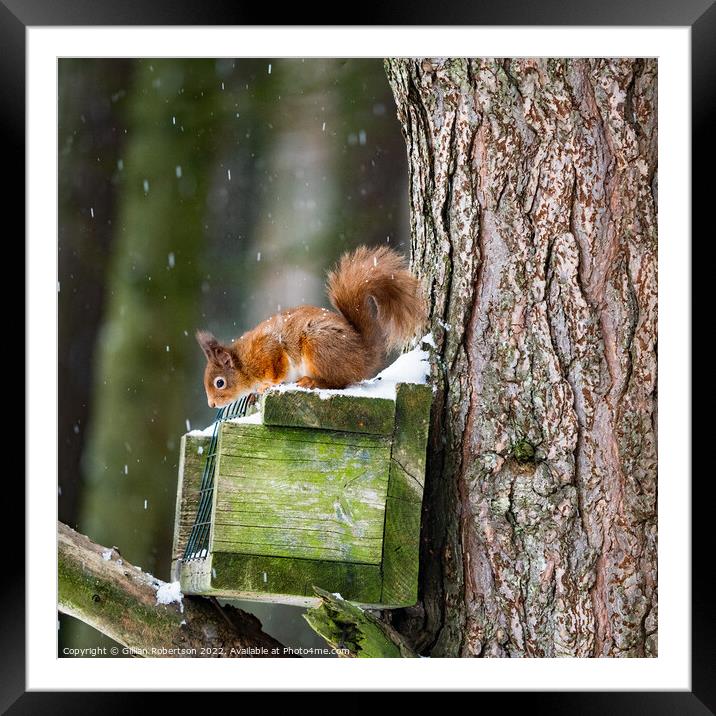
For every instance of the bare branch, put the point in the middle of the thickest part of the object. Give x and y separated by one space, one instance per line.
354 632
119 600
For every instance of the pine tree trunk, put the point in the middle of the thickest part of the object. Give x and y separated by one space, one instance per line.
533 221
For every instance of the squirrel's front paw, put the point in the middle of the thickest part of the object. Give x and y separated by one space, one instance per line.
306 382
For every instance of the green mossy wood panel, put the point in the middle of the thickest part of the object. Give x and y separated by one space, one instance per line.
301 409
258 574
401 548
294 492
280 579
298 507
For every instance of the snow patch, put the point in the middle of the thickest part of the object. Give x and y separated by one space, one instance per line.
429 340
208 431
253 419
197 555
170 592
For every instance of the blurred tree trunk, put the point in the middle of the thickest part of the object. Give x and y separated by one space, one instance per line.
90 139
533 214
328 177
146 349
296 226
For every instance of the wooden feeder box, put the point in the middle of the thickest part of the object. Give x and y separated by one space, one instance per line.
324 492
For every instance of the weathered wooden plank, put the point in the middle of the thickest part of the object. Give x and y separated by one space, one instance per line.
241 575
235 436
401 542
304 409
301 543
191 467
401 553
318 539
410 439
307 494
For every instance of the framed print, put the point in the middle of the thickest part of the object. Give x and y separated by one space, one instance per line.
357 335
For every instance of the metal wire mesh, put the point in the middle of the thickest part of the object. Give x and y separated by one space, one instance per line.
197 546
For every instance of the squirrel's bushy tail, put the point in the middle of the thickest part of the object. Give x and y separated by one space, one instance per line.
374 290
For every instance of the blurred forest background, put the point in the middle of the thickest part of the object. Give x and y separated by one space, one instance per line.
196 193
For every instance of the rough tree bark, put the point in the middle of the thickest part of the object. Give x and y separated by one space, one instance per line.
533 203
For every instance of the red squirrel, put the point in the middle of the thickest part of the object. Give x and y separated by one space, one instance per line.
379 307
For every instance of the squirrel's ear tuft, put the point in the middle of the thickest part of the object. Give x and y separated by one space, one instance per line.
207 342
213 350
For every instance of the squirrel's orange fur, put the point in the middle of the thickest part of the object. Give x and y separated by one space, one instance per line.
379 307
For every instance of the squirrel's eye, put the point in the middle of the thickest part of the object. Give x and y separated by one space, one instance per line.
219 383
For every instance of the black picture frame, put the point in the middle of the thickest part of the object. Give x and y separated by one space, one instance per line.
699 15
